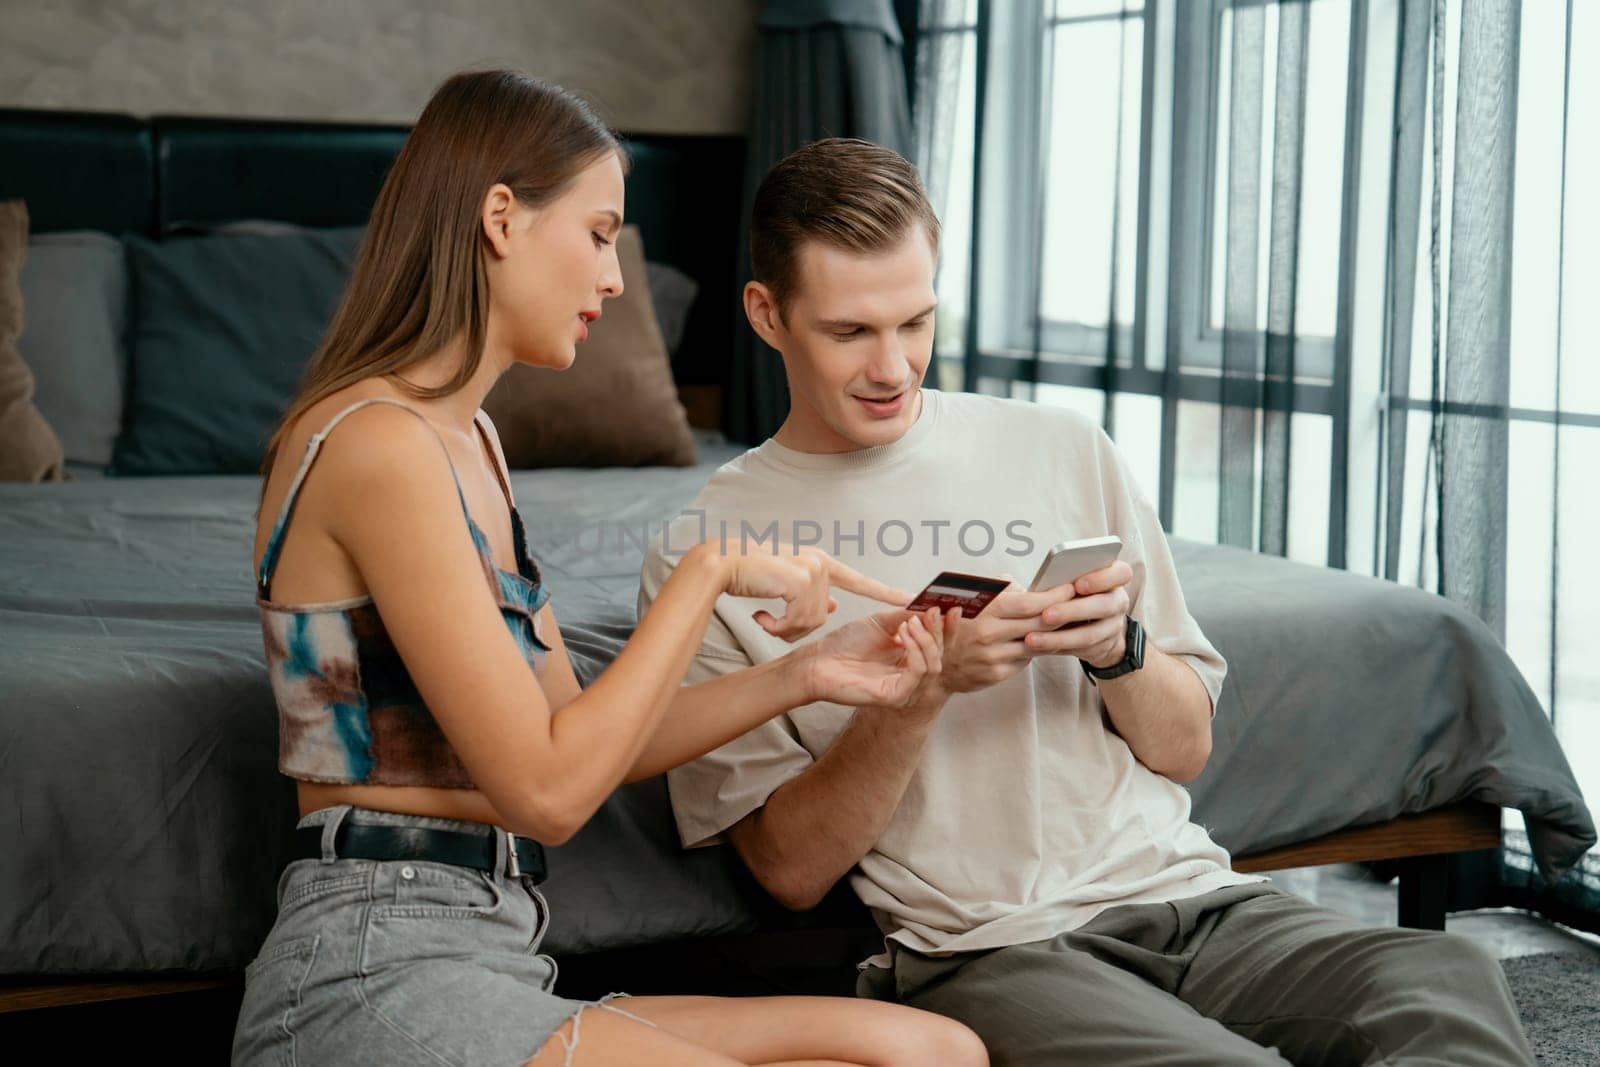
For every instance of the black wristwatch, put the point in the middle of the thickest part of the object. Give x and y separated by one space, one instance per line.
1132 657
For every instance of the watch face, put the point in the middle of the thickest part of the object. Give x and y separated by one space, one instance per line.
1135 655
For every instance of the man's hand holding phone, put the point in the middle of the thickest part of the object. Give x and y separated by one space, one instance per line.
1089 623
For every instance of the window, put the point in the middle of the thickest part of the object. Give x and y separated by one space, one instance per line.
1209 223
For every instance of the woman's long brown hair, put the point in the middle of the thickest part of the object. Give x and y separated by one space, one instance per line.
420 281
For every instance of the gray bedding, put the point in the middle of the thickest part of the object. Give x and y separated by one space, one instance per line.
142 822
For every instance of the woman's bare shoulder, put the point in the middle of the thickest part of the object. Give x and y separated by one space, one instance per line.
378 428
378 445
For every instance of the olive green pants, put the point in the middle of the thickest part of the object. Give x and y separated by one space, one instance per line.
1245 975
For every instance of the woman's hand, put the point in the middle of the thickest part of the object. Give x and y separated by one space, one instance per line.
802 578
890 659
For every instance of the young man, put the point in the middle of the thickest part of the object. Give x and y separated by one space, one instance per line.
1021 837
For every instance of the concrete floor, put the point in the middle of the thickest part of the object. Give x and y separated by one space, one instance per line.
1346 888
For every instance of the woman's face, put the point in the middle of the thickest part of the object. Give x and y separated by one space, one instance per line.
550 268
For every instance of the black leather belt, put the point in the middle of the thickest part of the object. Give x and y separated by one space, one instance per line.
464 849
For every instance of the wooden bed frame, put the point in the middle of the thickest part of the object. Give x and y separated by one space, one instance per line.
1422 844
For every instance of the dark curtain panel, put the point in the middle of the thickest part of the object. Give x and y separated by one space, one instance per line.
827 68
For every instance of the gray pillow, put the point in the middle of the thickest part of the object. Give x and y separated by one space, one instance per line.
75 302
672 294
223 328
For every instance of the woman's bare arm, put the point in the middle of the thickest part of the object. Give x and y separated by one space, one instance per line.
402 525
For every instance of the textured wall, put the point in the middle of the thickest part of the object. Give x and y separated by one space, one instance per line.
682 66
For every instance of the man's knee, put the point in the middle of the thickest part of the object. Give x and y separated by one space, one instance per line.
1469 960
1452 953
1454 1005
1444 966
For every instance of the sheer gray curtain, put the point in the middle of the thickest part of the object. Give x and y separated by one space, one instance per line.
1325 270
827 68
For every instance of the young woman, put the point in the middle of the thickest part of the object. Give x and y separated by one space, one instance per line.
428 710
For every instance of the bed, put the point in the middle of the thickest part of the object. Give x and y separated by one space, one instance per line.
144 823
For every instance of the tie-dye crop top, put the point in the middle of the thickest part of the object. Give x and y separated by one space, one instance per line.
348 711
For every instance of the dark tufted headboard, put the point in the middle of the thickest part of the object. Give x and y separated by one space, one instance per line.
119 173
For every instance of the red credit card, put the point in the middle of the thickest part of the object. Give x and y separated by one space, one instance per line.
951 589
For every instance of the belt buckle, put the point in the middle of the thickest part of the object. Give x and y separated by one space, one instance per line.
512 866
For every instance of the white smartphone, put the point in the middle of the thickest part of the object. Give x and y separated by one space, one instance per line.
1071 560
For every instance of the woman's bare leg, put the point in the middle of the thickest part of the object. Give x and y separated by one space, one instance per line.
596 1037
767 1030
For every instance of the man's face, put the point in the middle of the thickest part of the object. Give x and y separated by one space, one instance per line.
856 338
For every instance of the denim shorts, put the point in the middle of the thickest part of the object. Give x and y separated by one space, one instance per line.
401 961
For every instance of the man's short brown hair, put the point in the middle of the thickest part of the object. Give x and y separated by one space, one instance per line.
844 192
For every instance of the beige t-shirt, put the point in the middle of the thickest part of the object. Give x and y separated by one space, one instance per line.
1027 815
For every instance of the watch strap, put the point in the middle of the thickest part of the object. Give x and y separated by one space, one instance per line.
1132 656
